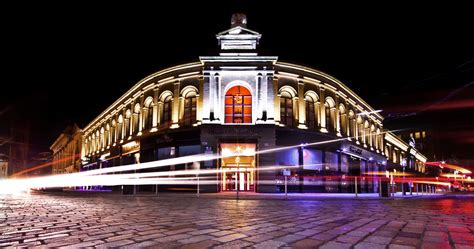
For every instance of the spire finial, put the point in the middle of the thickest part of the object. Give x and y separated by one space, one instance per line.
238 19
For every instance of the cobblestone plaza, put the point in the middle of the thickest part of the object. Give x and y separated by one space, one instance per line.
185 221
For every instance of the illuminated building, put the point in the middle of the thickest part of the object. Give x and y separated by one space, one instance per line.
66 151
3 168
238 103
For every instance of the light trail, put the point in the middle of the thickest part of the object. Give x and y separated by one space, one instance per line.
86 178
449 166
368 113
44 165
116 179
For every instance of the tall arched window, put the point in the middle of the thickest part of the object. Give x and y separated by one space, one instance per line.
190 105
136 119
352 125
126 123
113 138
343 120
119 127
287 107
148 114
330 114
167 107
238 105
310 102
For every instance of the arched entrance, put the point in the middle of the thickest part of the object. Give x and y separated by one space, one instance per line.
238 105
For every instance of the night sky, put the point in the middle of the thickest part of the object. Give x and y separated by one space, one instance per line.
66 64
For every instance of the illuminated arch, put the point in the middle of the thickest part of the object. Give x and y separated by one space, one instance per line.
165 108
288 106
148 113
330 109
312 109
343 120
238 105
188 105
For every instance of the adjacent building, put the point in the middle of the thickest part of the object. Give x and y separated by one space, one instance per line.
240 105
67 150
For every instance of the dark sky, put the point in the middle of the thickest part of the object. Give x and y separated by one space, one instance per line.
66 64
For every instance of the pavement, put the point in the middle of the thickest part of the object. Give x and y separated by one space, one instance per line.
72 220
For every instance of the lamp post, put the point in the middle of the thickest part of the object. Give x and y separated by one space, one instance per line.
237 160
394 186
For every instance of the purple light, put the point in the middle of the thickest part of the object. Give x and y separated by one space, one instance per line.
371 158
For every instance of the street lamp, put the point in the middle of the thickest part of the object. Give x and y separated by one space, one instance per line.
237 160
404 164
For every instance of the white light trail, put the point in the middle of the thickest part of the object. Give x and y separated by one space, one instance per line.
368 113
103 176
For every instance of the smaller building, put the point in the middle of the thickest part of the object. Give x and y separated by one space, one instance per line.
67 151
3 168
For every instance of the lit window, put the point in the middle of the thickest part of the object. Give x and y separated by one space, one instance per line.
423 134
238 105
310 116
417 135
286 110
167 105
190 109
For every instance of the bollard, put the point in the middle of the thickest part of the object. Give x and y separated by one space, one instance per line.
156 189
380 187
286 187
238 183
355 181
197 176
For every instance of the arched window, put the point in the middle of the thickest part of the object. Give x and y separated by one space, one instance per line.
148 114
311 99
238 105
366 133
126 123
190 105
167 110
287 94
352 125
360 128
136 119
120 127
113 138
343 120
330 114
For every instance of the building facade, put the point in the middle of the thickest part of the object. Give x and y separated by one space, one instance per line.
242 106
67 150
3 168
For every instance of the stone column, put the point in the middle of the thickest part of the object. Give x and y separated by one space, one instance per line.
160 111
199 107
356 129
141 119
175 109
206 98
217 99
301 106
124 123
181 108
322 111
155 109
317 110
276 101
337 116
269 98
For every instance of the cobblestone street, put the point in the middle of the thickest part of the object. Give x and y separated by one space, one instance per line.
181 221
